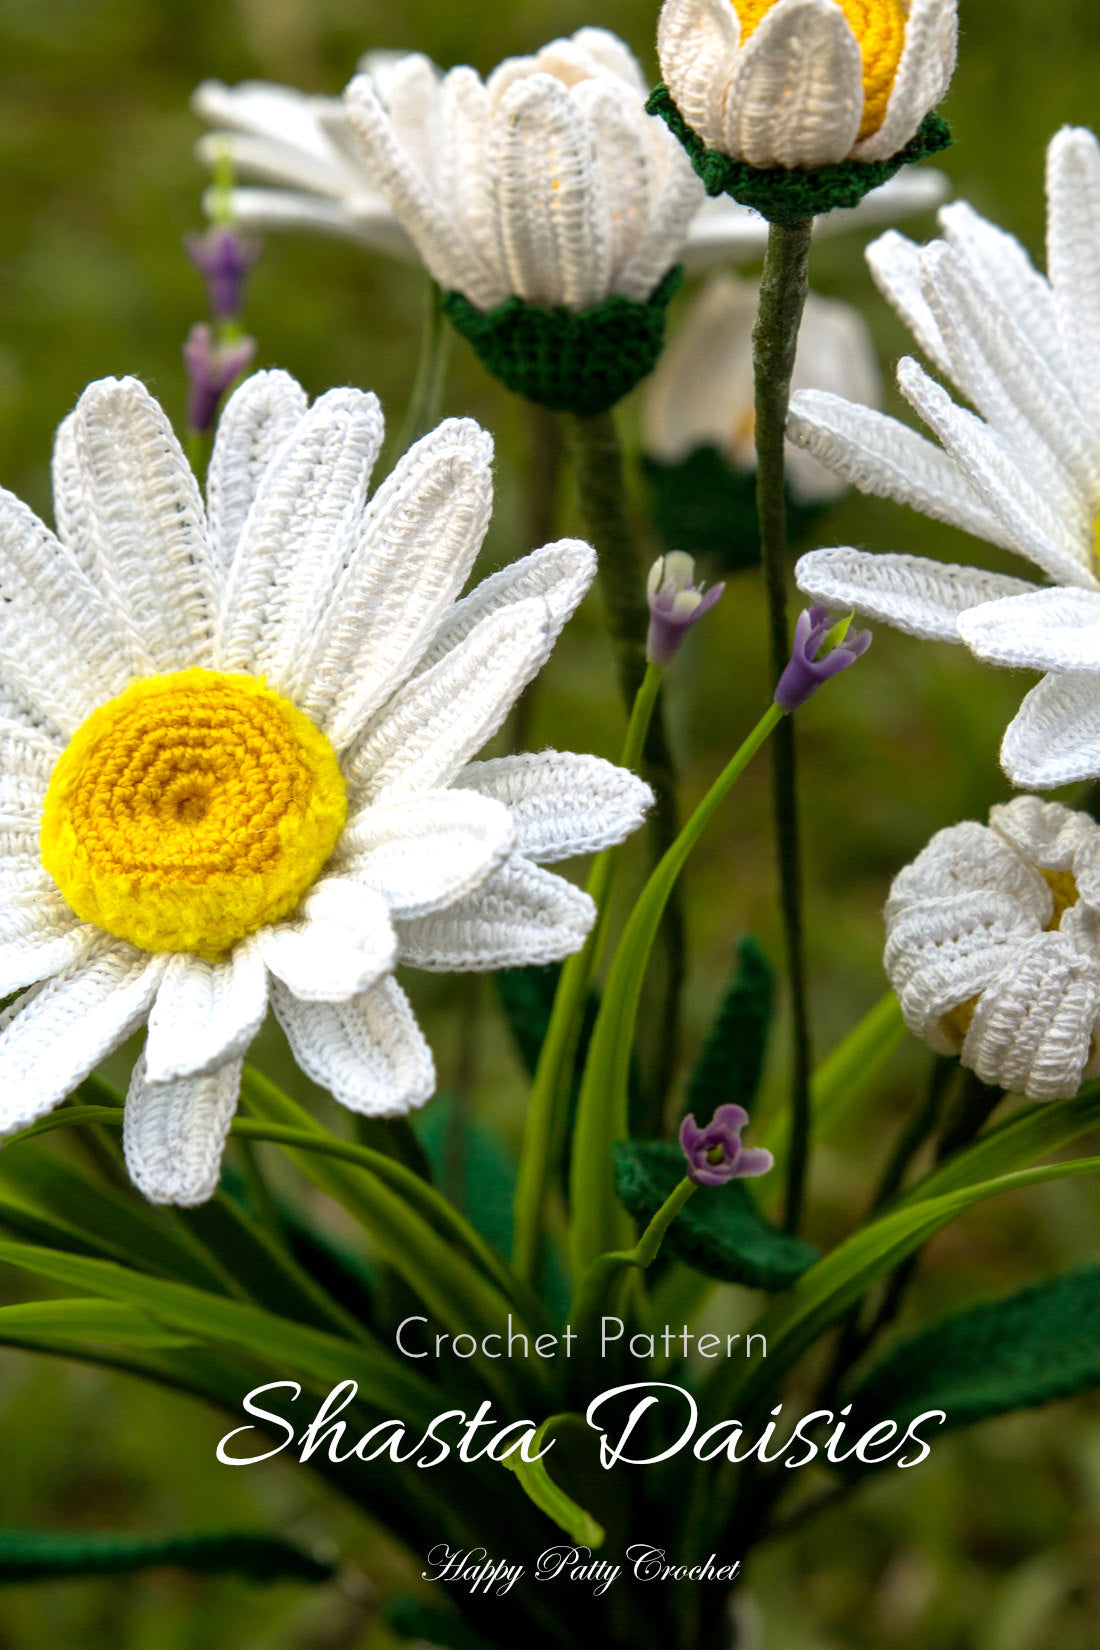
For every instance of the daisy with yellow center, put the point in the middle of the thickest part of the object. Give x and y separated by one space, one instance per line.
798 84
236 767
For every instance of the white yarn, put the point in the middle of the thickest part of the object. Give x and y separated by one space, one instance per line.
348 605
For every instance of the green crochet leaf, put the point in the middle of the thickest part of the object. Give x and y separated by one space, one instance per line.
788 196
721 1233
579 361
704 506
732 1060
473 1166
1027 1349
46 1555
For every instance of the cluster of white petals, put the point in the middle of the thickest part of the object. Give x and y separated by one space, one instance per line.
702 394
993 946
1022 471
346 604
805 83
307 169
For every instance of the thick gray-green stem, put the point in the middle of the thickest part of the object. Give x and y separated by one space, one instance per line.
775 341
596 456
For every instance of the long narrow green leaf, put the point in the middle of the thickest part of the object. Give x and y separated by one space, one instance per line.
1037 1132
113 1322
291 1347
48 1555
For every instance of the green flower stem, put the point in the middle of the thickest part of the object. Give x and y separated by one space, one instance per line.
549 1101
422 413
596 457
775 341
596 1221
606 1271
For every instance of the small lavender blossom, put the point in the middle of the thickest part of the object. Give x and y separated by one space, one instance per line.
223 257
822 648
211 368
676 602
715 1154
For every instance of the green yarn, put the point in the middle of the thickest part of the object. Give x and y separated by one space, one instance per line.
731 1062
50 1555
720 1232
703 505
789 196
578 361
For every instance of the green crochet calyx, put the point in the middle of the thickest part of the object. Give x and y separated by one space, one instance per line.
789 196
579 361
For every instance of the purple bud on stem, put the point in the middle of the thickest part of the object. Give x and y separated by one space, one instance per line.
223 257
676 602
822 648
715 1154
211 368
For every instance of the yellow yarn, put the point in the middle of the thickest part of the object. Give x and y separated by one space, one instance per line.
879 26
192 810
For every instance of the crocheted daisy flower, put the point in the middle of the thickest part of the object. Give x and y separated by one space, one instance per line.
237 768
801 84
993 946
314 174
1023 472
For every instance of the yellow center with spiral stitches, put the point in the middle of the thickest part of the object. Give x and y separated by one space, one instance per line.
192 810
879 26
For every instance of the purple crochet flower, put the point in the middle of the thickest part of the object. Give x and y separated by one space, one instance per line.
676 602
223 257
715 1154
822 648
211 368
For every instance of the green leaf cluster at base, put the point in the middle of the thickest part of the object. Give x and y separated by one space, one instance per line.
721 1233
790 196
578 361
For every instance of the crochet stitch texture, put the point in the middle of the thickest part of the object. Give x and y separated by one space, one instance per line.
193 694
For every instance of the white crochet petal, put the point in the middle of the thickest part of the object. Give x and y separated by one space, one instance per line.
339 946
146 526
296 536
883 457
1055 629
205 1014
62 649
558 574
942 952
923 76
414 201
1054 738
697 44
554 231
970 859
412 552
70 504
1000 263
895 263
280 113
54 1035
466 118
1046 833
795 98
173 1134
1032 1028
997 478
278 162
363 216
522 915
425 851
258 417
1073 240
562 805
624 178
614 55
369 1053
40 937
27 760
921 597
443 717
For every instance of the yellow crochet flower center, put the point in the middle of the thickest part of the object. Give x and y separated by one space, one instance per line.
192 810
879 26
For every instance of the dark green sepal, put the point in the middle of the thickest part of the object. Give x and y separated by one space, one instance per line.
703 505
720 1232
578 361
50 1555
789 196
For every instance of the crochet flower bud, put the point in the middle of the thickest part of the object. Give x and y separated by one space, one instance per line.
800 84
993 946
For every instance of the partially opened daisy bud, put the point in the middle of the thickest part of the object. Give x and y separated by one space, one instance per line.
715 1154
798 106
993 946
676 602
699 419
822 649
545 202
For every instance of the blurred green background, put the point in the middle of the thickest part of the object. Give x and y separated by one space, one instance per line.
995 1543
